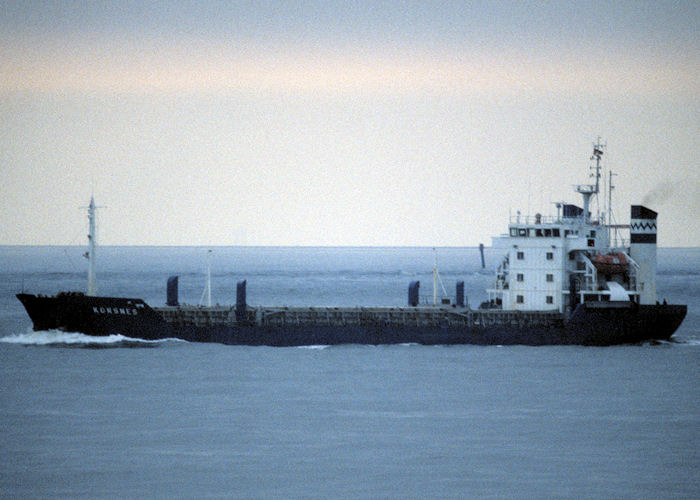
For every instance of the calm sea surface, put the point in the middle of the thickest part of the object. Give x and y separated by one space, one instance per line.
81 418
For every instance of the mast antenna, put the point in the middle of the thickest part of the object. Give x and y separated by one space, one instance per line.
610 210
597 155
590 190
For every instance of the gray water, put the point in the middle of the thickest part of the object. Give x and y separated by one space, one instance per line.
86 419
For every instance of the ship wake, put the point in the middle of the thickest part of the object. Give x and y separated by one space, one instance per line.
57 338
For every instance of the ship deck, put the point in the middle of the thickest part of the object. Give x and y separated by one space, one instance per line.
422 316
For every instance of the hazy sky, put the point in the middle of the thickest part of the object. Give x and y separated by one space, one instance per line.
340 123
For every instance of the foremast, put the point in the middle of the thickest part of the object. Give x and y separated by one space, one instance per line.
92 244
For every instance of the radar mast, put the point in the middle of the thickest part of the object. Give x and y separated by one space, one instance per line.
588 190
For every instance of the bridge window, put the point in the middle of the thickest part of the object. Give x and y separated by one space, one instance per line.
521 255
550 255
522 231
521 277
550 299
520 299
513 231
555 232
550 278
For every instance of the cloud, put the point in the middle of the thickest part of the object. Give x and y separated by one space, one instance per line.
134 65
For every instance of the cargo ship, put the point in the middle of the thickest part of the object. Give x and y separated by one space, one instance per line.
573 278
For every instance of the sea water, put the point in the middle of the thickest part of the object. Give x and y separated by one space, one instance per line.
85 417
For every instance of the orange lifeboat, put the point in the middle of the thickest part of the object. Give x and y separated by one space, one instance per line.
611 263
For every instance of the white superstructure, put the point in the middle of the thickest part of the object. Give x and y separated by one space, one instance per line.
552 263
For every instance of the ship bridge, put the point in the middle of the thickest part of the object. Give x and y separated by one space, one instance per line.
551 262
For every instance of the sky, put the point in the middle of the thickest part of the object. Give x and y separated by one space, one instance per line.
340 123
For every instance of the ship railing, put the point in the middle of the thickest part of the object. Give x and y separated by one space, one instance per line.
344 316
620 245
404 316
519 319
633 271
585 188
534 220
440 300
197 316
590 275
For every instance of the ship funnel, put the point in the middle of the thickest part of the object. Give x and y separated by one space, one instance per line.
172 299
643 251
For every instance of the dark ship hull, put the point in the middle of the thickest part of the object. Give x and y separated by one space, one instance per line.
596 323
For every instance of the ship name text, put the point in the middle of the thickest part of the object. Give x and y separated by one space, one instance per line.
128 311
